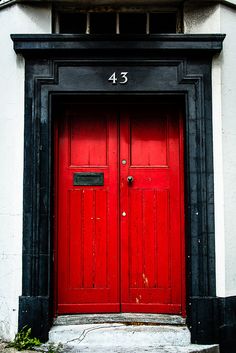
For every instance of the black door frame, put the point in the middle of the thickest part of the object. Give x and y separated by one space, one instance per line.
158 65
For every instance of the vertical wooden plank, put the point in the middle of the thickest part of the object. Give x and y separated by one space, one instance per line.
124 210
182 212
88 236
135 238
163 260
113 241
62 205
101 249
55 216
75 239
176 218
149 239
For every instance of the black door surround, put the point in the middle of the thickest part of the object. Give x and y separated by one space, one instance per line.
157 65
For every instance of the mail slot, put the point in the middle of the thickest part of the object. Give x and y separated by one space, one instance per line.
87 179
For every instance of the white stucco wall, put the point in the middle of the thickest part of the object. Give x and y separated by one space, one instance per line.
228 25
14 19
222 19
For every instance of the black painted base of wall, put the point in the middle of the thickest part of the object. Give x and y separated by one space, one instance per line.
213 320
34 312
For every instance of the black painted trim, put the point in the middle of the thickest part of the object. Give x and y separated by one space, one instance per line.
213 320
34 312
66 43
178 70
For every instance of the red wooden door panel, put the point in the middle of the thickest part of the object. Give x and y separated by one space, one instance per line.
121 245
88 261
152 226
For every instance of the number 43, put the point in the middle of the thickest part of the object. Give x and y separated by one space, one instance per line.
122 78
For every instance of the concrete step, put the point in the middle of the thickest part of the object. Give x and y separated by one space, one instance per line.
123 338
161 349
116 334
155 319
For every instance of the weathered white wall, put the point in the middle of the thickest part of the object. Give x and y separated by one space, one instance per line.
222 19
228 25
14 19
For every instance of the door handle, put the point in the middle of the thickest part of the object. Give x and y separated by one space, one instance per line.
130 179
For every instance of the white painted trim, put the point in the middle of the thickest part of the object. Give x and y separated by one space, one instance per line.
230 293
218 178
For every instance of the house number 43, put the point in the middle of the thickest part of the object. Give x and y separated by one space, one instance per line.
121 78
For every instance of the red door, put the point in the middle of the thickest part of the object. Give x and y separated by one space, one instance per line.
119 234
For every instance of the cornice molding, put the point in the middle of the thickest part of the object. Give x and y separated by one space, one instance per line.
4 3
57 44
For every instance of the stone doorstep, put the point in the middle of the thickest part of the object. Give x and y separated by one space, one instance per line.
133 333
120 335
161 349
155 319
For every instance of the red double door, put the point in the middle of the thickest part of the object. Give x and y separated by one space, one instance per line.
119 233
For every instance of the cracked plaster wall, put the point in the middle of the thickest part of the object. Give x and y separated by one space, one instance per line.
15 19
222 19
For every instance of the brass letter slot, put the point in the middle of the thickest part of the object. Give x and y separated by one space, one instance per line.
88 179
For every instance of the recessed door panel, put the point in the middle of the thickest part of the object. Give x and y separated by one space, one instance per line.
120 218
146 138
88 140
